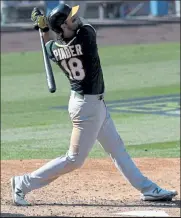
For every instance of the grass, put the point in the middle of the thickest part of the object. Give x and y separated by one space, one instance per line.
28 150
31 129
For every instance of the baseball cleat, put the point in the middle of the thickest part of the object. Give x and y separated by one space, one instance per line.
158 194
17 194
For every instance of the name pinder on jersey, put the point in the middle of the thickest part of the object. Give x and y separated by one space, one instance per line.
66 52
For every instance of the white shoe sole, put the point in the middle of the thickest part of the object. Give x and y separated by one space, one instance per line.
166 197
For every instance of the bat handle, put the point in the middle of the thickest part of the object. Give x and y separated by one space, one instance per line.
40 31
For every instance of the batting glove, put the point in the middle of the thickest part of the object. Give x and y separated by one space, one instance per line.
40 20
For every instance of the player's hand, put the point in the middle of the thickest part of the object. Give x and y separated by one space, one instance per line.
42 23
34 16
40 20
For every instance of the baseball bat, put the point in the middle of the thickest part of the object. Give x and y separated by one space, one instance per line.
48 68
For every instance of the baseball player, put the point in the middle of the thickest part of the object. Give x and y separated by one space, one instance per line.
75 52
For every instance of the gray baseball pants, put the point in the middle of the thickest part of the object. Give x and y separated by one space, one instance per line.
91 121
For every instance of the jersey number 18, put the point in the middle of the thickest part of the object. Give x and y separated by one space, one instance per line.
74 68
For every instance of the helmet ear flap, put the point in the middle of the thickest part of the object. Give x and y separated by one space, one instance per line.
58 28
55 23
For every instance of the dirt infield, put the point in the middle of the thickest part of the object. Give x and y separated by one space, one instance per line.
97 189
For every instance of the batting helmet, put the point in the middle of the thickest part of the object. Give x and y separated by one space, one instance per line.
59 14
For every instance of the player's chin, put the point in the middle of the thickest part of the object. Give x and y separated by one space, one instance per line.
68 35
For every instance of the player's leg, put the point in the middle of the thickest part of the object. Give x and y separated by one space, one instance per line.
114 146
87 121
75 157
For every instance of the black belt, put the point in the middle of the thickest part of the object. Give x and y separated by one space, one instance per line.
99 96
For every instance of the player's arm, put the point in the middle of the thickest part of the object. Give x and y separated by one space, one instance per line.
40 22
46 37
49 45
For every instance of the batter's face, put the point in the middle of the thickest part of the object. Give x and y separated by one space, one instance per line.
69 27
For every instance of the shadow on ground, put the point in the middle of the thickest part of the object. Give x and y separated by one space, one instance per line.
161 204
11 215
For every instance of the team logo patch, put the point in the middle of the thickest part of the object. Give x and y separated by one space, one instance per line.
165 105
